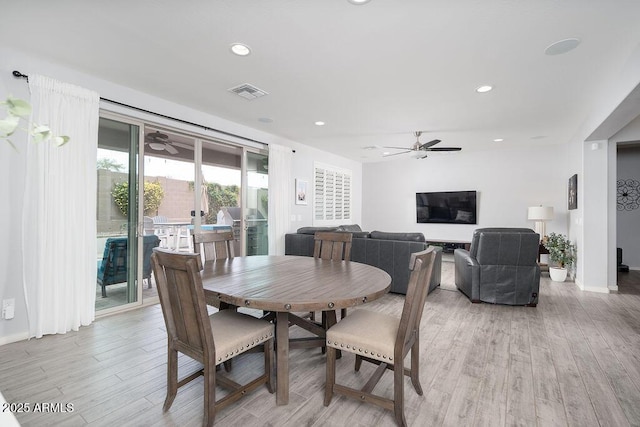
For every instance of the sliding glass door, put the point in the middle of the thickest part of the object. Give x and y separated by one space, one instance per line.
117 214
157 186
257 204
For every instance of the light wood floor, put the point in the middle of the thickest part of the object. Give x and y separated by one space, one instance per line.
573 360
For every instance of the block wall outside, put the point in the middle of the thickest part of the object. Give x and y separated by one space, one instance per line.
176 205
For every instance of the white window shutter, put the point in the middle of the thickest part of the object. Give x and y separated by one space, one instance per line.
332 195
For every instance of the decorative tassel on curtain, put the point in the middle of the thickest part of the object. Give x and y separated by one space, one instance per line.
59 211
281 196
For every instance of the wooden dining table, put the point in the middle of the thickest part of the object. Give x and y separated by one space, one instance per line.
285 285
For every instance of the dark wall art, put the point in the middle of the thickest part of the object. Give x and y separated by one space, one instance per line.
573 192
628 195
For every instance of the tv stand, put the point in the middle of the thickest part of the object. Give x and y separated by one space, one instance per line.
448 246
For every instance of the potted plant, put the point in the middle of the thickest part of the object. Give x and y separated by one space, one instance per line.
561 252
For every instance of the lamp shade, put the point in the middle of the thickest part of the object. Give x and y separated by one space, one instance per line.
540 213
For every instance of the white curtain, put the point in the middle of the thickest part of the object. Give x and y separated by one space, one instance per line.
59 212
281 196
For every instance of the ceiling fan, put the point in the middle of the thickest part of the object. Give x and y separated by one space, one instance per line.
159 141
422 147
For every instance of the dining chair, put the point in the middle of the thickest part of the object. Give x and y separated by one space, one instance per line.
214 245
334 246
208 339
384 340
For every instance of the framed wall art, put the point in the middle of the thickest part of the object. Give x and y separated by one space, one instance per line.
573 192
301 192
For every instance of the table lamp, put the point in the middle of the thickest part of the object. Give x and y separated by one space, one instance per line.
540 214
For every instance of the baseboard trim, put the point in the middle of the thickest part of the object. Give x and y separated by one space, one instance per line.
597 289
14 338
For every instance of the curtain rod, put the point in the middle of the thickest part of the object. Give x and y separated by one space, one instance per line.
19 75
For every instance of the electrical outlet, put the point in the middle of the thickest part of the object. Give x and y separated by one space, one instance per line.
8 308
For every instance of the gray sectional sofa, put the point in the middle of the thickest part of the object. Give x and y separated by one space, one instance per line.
387 251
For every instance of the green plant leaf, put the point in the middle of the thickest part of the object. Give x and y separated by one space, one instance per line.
8 125
61 140
18 107
40 133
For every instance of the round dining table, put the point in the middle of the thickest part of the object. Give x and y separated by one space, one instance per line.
288 284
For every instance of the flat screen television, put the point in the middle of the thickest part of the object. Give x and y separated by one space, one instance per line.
447 207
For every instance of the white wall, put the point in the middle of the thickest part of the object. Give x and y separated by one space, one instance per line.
12 164
596 213
12 252
507 181
304 158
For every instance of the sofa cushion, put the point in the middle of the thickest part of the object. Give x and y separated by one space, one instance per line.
349 227
410 237
313 230
391 256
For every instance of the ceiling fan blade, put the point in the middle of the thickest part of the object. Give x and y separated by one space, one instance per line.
397 148
156 136
170 148
443 149
395 154
429 144
185 146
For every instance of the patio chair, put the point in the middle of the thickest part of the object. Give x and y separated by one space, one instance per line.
112 268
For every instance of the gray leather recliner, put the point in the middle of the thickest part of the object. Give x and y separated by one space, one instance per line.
500 267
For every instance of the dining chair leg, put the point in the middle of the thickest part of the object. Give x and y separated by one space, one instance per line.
398 393
172 378
209 394
329 318
358 363
331 375
415 367
268 363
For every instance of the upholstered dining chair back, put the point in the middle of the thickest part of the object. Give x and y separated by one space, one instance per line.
331 245
208 339
384 340
214 245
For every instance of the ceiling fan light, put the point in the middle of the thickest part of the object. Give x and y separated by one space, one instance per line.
156 146
240 49
484 88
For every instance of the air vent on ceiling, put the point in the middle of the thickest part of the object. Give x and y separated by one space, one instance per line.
248 91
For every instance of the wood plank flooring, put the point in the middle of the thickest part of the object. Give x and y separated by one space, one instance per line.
574 360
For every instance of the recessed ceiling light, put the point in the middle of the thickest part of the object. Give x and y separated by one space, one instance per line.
562 46
369 147
498 140
319 123
484 88
386 153
358 2
240 49
265 120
